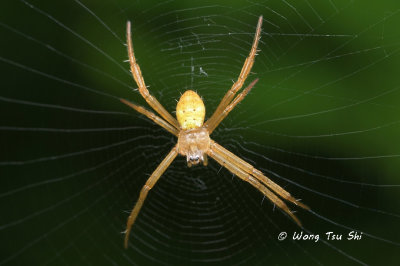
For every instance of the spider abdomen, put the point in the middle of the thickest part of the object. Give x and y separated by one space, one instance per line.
190 110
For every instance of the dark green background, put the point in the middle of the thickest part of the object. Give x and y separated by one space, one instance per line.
325 68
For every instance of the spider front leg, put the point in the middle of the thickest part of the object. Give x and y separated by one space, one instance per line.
236 168
248 168
146 188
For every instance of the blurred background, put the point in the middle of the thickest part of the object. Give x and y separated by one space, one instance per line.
323 122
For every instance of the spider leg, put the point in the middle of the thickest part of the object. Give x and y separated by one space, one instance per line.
242 77
137 75
205 160
254 182
158 120
149 184
221 116
235 169
249 169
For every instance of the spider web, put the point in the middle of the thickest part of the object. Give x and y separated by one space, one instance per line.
322 122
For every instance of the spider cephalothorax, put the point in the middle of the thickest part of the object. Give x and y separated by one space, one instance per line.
194 144
194 135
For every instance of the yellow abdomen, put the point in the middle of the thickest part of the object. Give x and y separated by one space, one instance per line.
190 110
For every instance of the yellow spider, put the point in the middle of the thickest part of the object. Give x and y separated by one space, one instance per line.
194 136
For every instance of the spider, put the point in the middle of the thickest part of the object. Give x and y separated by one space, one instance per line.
193 134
